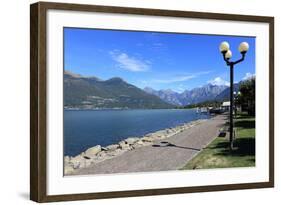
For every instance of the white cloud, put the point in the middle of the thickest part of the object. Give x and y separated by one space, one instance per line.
182 78
249 76
218 81
176 79
129 63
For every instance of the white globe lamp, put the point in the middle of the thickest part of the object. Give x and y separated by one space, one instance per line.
228 54
224 47
243 47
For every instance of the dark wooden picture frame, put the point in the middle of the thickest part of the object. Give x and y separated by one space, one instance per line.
38 101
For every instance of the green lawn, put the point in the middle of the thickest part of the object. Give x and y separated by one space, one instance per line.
217 154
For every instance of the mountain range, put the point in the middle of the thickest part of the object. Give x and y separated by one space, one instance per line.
92 93
204 93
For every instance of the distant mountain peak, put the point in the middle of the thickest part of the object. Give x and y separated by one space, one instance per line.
198 94
168 90
115 79
148 89
73 75
93 78
218 81
211 85
85 93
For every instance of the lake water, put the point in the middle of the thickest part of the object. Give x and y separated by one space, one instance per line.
87 128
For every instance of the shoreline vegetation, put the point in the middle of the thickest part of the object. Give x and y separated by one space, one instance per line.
117 108
96 154
209 103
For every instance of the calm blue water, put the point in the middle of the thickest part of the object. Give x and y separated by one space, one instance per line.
87 128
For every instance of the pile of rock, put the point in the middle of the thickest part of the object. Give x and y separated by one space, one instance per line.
97 153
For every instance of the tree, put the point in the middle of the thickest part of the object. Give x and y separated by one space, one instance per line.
247 95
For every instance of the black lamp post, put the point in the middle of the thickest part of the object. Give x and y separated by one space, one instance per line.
235 96
235 101
227 54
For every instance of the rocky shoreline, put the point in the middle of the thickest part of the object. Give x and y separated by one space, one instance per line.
97 154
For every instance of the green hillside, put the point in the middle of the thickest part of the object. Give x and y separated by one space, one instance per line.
91 92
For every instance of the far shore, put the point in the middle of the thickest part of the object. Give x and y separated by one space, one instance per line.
112 109
97 154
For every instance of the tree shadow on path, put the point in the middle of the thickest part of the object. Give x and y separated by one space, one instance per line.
168 144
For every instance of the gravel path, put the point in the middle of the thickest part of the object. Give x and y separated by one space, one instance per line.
169 154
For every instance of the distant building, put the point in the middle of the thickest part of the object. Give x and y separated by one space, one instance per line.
226 106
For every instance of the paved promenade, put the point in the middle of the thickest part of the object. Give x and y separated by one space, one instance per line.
169 154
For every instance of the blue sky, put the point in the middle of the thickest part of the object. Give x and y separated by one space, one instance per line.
151 59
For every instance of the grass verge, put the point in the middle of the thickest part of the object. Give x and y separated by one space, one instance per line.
217 154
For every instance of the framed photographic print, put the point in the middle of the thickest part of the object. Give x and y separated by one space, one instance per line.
134 102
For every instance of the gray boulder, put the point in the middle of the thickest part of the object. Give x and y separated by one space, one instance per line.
112 147
91 152
76 161
131 140
124 145
66 159
68 169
